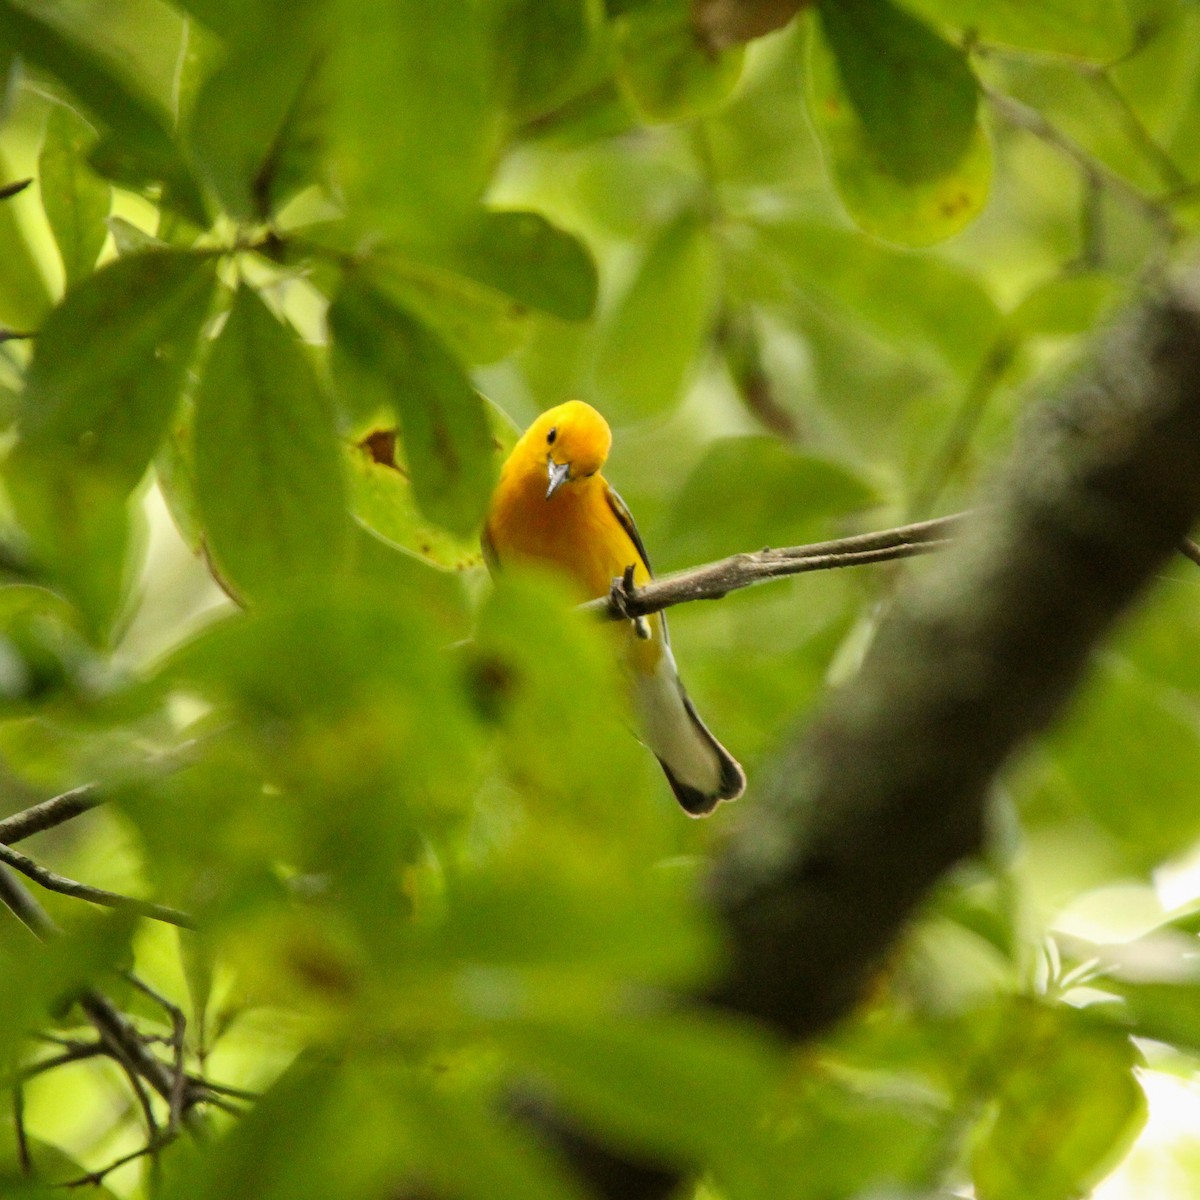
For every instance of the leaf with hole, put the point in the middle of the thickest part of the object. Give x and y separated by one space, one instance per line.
384 354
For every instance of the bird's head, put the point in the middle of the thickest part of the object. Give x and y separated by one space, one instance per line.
573 441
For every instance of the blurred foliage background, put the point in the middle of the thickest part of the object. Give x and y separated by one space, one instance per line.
812 280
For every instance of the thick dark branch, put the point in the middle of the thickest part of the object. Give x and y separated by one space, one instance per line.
975 656
49 813
980 653
54 882
712 581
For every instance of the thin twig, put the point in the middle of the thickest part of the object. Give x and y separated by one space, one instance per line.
24 907
953 449
97 1177
77 1053
49 813
16 335
24 1158
1032 121
130 1067
1137 132
54 882
115 1029
224 1089
176 1042
12 189
714 580
1189 549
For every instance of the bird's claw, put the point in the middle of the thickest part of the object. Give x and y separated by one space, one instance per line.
620 595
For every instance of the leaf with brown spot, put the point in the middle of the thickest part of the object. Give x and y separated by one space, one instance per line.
382 353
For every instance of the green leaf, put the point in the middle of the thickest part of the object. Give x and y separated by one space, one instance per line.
348 701
24 297
110 361
474 1156
225 17
750 492
53 1168
913 92
129 239
381 497
105 378
269 481
75 201
286 1141
51 972
1099 30
382 353
1129 756
252 132
479 324
665 67
1068 1106
855 1139
139 148
690 1089
1067 304
1166 1012
427 82
652 336
910 299
398 570
522 255
539 46
78 527
899 129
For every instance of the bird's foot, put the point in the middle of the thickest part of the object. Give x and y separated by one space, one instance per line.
620 595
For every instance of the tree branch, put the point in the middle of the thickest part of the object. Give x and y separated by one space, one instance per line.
889 789
1022 116
714 580
54 882
976 656
49 813
121 1039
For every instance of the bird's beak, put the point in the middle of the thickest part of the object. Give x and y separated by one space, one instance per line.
559 473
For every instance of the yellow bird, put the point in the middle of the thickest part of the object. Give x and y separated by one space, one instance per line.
553 506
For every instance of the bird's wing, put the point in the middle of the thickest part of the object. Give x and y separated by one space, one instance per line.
490 557
625 517
621 511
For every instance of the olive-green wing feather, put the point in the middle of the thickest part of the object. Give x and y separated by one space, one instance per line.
490 557
621 511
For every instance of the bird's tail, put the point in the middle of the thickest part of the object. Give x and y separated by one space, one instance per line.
699 769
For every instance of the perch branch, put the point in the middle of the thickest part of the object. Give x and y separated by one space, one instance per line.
717 579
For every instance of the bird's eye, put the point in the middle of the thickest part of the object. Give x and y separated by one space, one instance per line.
551 436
